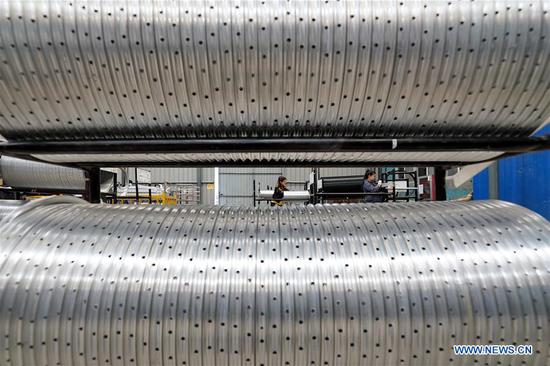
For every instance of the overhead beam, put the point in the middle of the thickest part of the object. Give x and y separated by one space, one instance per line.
270 163
232 145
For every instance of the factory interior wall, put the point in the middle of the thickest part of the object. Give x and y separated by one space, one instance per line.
481 185
236 183
522 179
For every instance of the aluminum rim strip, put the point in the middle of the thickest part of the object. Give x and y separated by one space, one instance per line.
323 285
169 69
26 174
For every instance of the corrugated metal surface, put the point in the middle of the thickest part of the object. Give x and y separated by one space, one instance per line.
523 179
188 175
207 194
336 285
334 172
305 158
481 185
143 174
237 184
32 175
208 174
296 174
174 175
8 206
165 68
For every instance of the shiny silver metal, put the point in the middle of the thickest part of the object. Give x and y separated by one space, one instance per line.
288 195
379 284
32 175
7 206
283 157
180 69
27 175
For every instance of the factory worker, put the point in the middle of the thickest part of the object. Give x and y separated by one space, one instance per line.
278 193
370 185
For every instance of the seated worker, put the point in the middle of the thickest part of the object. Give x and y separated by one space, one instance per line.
278 193
371 186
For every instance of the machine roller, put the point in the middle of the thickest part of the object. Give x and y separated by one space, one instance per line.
350 284
92 69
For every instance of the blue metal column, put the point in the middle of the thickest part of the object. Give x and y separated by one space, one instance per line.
523 179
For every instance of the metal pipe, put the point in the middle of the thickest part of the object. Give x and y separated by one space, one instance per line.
342 184
276 145
399 283
288 195
31 175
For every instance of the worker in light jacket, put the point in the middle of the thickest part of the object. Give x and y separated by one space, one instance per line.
370 185
278 193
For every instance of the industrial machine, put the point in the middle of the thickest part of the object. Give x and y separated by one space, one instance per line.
348 189
145 194
31 178
343 284
89 84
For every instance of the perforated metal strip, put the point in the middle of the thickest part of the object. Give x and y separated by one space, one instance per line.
284 157
382 284
19 173
173 68
7 206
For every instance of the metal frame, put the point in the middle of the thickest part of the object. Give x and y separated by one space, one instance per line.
414 177
439 181
509 147
136 146
322 196
92 191
41 192
274 164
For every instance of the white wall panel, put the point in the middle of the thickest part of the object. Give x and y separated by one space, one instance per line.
334 172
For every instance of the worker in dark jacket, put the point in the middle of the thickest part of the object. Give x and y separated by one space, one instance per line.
371 186
278 193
